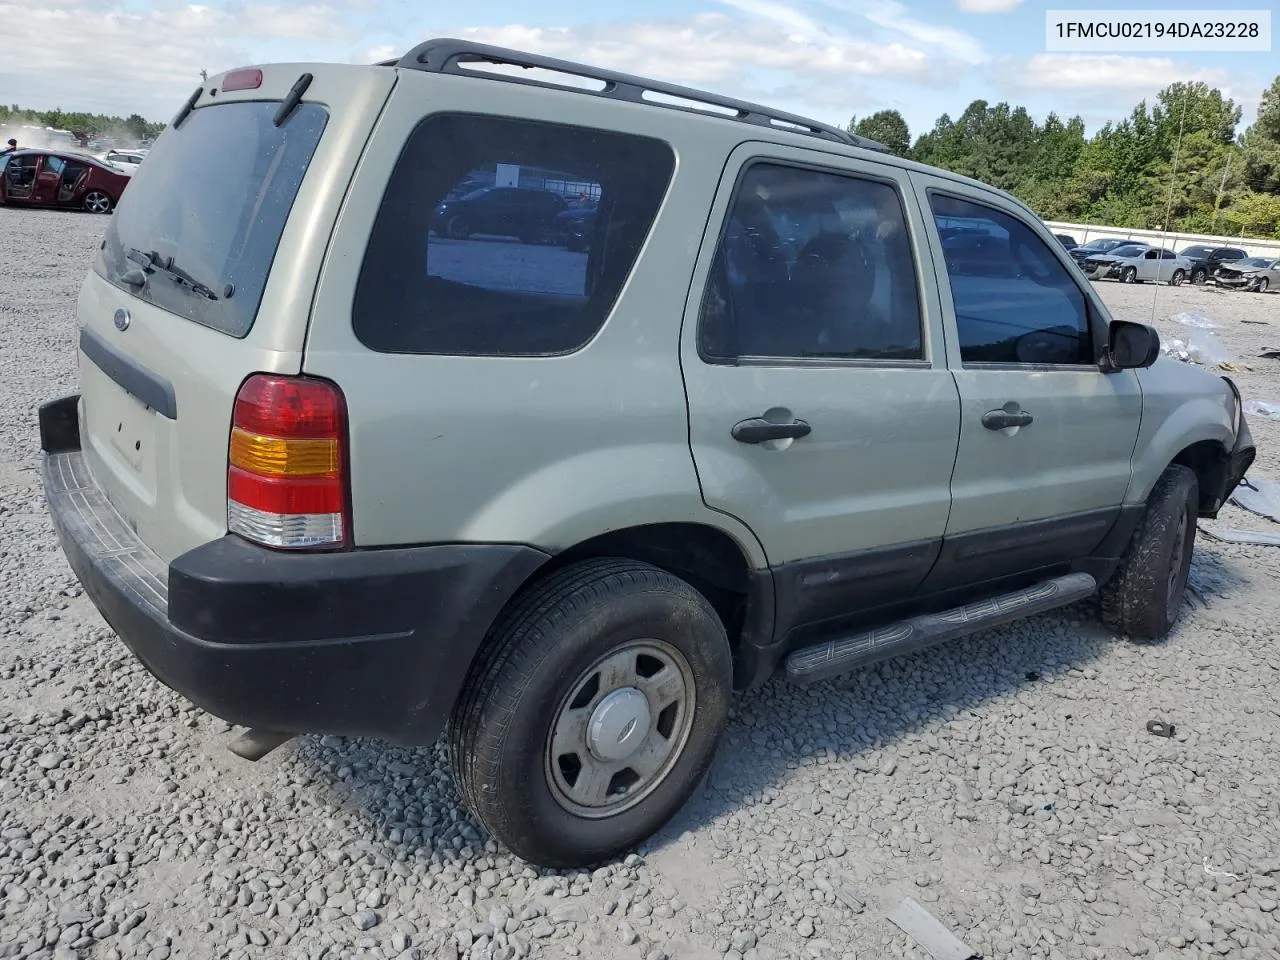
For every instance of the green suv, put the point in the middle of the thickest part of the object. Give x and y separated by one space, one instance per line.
789 405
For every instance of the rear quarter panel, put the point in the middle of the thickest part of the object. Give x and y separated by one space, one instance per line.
543 451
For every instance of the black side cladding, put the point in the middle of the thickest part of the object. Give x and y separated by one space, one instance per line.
290 102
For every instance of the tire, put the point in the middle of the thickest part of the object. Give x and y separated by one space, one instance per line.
1177 278
457 228
1145 596
519 759
96 201
1129 275
1263 283
1198 275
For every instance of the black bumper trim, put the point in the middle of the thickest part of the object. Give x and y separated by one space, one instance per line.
376 644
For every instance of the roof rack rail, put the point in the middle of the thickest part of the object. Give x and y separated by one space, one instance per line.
444 55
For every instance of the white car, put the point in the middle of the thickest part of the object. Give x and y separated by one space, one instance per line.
1138 263
126 161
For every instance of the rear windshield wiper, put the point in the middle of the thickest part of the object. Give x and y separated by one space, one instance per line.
150 260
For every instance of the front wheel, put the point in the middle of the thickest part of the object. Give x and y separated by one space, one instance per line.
593 713
1129 275
1263 283
1144 597
1198 275
1177 278
95 201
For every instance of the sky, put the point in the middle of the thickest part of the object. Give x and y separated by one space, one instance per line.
826 59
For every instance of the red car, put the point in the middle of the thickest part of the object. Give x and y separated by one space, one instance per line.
49 178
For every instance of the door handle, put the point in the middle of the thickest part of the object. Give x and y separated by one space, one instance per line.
757 430
1000 419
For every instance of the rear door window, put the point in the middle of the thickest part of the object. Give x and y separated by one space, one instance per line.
469 254
212 203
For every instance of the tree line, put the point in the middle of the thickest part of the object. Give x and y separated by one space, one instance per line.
83 126
1179 164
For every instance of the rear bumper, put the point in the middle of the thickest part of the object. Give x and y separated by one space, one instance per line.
363 643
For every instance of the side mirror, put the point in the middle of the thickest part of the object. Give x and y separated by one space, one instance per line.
1132 345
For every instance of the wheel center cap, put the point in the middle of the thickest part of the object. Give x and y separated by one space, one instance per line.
619 724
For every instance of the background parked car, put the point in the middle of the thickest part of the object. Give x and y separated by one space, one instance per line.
530 215
1139 263
1067 240
1205 261
574 226
1094 247
1252 273
47 178
126 161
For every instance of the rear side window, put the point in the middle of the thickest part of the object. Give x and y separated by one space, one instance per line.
505 237
210 205
812 265
1014 300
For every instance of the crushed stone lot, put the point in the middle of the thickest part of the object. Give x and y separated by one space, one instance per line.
1006 782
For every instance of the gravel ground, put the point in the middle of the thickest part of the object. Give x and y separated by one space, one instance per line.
1006 782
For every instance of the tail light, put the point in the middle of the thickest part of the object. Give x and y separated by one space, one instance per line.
288 482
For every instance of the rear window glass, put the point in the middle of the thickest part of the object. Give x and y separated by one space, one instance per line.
506 237
203 216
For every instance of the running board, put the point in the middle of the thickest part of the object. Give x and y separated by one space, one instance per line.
834 657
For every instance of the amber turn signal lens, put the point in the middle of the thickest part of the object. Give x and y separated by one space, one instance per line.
278 457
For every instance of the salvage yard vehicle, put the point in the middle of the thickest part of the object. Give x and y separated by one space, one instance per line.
1206 261
562 504
1259 274
1138 263
49 178
1105 245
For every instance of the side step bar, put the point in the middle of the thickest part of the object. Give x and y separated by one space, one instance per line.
835 657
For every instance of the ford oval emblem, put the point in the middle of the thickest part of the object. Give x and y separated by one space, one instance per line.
123 319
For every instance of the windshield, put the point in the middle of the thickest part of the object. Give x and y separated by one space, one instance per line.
212 200
1127 250
1255 262
1197 252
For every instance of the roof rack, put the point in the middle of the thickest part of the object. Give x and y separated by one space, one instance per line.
445 55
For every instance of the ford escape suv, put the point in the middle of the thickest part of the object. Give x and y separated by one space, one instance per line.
791 405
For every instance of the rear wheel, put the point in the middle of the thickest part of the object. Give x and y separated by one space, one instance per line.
1177 278
1144 597
1129 275
95 201
593 713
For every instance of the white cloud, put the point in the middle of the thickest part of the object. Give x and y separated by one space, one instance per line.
1123 75
713 49
92 55
989 6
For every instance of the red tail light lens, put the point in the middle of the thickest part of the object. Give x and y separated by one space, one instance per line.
287 475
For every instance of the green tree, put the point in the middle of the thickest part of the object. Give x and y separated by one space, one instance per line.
887 127
1194 107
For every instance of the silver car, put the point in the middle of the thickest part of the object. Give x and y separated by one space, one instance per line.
1138 263
1252 273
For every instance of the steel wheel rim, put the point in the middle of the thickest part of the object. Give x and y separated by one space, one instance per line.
97 202
636 700
1177 561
